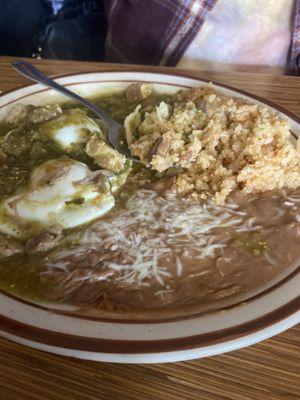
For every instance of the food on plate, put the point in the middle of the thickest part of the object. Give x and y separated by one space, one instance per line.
221 144
60 191
211 215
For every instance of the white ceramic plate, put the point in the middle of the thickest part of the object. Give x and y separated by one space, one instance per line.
51 328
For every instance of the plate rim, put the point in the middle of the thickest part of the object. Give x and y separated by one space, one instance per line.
284 314
177 73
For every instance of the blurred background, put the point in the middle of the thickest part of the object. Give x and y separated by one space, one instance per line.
57 29
225 35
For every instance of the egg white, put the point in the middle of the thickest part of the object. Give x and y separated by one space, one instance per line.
42 203
70 130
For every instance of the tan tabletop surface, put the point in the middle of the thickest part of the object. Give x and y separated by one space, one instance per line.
269 370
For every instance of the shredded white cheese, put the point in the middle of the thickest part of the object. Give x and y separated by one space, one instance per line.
150 238
150 230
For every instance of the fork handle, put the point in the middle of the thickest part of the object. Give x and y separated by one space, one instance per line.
31 72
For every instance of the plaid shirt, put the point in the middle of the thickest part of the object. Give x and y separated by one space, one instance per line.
158 32
295 48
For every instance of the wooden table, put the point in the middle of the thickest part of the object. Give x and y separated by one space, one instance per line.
269 370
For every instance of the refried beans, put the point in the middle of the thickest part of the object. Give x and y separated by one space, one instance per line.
209 218
157 252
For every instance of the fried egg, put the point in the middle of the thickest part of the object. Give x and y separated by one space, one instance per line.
59 191
69 131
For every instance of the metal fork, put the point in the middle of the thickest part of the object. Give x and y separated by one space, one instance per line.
113 127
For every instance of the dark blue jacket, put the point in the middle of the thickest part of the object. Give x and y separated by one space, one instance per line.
61 29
